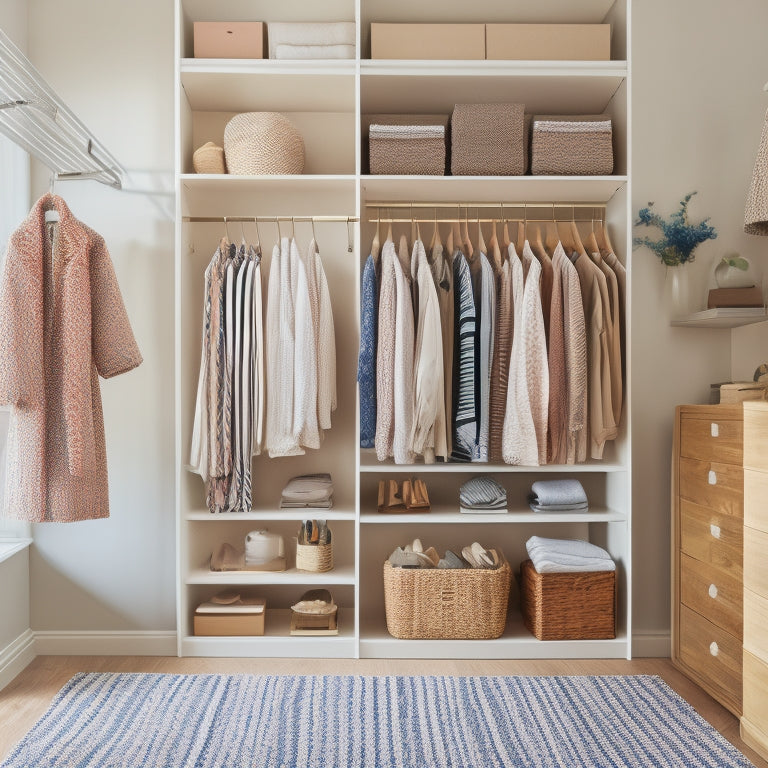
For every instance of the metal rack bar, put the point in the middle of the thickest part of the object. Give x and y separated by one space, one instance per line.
33 116
499 205
266 219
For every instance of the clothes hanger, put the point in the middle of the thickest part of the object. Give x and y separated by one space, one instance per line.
480 239
505 230
436 240
226 231
493 247
314 236
552 234
376 244
520 243
469 251
590 241
603 238
575 232
389 228
537 246
456 230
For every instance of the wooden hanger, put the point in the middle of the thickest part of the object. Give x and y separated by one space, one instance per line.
520 243
466 243
590 241
537 245
376 244
505 231
436 239
579 246
602 237
493 248
480 239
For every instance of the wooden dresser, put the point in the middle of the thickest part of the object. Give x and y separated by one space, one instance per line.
707 549
754 722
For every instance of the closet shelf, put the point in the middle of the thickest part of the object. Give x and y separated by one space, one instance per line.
341 575
240 86
565 189
271 513
494 68
723 317
450 515
369 464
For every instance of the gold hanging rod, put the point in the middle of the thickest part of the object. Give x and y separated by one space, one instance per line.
474 220
266 219
499 205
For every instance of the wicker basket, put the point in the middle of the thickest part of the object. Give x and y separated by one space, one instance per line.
446 604
580 145
406 144
209 159
316 558
568 606
488 140
263 143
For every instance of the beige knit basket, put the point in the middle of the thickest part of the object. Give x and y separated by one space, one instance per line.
267 143
316 558
446 604
570 147
209 159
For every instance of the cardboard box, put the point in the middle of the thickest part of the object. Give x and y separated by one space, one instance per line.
229 39
243 618
427 41
735 297
548 42
731 392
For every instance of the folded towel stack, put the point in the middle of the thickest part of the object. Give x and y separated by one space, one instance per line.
308 491
558 496
311 40
482 495
567 556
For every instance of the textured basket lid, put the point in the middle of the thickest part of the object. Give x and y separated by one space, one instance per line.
263 143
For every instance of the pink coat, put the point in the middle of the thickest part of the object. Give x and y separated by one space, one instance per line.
62 323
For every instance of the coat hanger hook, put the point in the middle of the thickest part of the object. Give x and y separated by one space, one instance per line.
279 233
242 230
350 238
258 236
314 236
503 215
293 229
226 230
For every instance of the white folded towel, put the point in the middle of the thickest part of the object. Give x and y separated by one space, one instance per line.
567 547
309 33
567 555
340 51
542 565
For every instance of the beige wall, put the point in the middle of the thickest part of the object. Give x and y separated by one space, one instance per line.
698 104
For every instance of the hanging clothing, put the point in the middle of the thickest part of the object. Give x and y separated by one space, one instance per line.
464 413
62 325
502 349
404 343
621 277
756 212
484 291
613 335
325 342
366 362
385 354
428 433
442 273
557 435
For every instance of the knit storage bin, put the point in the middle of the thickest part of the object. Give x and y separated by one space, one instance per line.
572 145
446 604
568 606
407 144
316 558
488 140
263 143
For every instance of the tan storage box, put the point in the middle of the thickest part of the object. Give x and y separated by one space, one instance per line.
572 145
229 39
405 144
548 42
427 41
568 606
244 618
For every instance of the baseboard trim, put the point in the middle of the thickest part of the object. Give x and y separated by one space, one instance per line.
16 656
651 645
105 643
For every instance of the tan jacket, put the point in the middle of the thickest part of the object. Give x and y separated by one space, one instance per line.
62 324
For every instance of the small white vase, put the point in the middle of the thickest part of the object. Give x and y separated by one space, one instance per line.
677 291
727 276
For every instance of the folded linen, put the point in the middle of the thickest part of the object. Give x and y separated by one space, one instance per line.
319 51
483 493
483 510
560 508
567 555
542 565
576 547
556 495
309 33
308 491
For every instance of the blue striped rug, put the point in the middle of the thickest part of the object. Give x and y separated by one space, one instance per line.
158 721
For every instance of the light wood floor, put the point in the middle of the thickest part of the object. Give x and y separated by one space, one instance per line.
28 696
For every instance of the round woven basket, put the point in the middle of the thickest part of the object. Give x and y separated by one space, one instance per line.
263 143
316 558
209 159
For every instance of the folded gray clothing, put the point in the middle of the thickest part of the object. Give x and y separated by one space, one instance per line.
309 489
483 493
560 508
557 493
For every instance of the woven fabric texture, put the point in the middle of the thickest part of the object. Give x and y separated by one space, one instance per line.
572 146
212 721
756 213
267 143
488 140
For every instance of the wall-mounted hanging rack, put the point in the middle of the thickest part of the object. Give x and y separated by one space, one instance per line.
264 219
33 116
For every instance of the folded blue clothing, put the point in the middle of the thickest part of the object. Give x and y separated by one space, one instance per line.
556 495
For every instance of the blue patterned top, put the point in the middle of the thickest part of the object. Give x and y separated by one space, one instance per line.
366 363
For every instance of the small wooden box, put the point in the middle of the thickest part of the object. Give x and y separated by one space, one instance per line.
568 606
229 39
244 618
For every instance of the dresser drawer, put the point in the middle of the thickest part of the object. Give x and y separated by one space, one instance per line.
714 485
756 499
714 655
711 438
756 561
756 690
713 593
712 537
756 435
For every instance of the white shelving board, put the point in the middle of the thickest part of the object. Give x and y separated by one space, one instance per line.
343 575
444 515
265 514
723 317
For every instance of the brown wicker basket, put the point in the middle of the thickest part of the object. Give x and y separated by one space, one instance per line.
405 144
316 558
568 606
488 140
446 604
576 145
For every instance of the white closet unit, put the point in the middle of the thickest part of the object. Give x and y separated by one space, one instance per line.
326 100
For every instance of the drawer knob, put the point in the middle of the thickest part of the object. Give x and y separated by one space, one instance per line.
713 648
712 477
714 530
712 591
714 430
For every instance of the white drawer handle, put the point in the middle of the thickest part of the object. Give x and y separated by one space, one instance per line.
712 591
714 430
712 477
713 648
714 530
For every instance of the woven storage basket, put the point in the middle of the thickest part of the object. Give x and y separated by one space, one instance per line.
209 159
406 144
572 145
316 558
446 604
568 606
263 143
488 140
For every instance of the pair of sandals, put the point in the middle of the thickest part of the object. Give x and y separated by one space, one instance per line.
411 497
414 555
